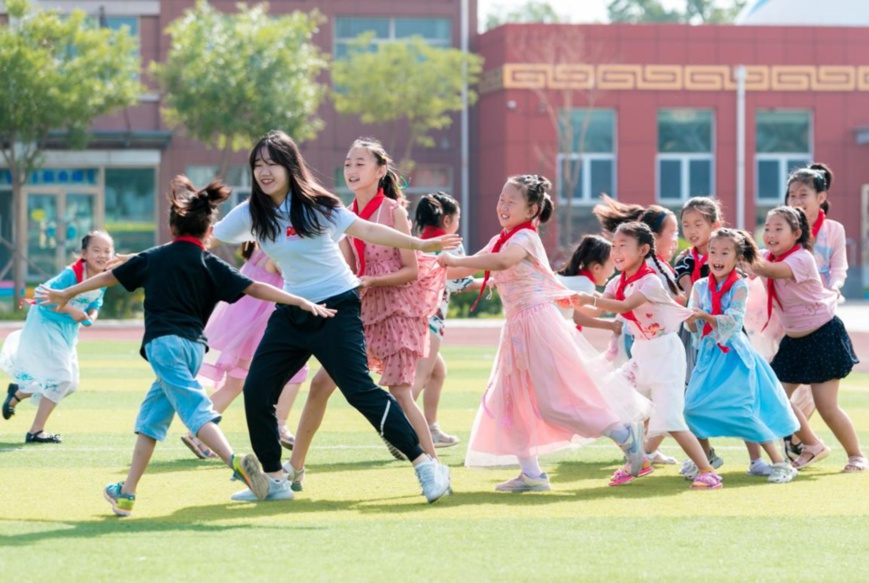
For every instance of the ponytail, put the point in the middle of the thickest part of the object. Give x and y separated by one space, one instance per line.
192 211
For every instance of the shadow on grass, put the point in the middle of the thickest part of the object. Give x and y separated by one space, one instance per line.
10 446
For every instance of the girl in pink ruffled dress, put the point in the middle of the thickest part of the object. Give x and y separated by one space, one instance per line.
234 331
548 389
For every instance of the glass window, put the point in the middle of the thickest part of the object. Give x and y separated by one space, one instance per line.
593 131
783 142
237 178
130 207
685 154
585 177
431 29
435 31
686 131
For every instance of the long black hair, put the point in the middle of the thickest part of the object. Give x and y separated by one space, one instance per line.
391 181
309 201
612 213
535 188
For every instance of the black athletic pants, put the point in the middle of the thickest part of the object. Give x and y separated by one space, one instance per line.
291 337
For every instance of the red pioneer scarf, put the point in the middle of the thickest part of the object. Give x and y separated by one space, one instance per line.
625 281
819 222
502 239
432 232
366 213
698 264
717 296
195 240
770 284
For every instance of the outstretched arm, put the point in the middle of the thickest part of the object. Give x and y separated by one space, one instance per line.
47 296
269 293
389 237
632 302
764 268
503 259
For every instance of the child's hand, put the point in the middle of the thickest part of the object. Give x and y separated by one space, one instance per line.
45 296
442 243
617 327
582 299
365 281
79 316
447 259
118 259
317 309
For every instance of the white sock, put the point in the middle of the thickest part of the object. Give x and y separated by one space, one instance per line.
530 467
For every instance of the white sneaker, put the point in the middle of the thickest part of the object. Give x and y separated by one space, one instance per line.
278 490
661 459
524 483
434 477
441 439
759 467
782 473
690 471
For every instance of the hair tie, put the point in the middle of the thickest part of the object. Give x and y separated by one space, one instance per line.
659 221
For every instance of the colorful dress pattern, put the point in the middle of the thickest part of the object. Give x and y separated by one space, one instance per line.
395 318
548 389
733 393
42 357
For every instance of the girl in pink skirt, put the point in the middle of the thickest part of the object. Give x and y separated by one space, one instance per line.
548 389
234 331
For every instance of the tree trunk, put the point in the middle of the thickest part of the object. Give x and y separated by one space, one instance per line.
224 163
19 236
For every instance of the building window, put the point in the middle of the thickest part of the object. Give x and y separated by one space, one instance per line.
783 142
237 178
131 208
686 161
435 31
587 160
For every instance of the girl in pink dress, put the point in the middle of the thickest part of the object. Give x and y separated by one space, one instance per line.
400 290
547 390
234 331
657 364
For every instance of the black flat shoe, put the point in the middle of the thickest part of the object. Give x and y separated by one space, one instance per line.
42 437
8 407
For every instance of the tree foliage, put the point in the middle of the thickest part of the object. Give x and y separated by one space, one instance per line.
694 12
59 72
531 11
230 78
404 81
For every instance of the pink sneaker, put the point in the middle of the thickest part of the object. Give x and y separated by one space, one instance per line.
706 481
623 475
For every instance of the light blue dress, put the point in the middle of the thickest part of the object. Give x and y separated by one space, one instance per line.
734 393
41 357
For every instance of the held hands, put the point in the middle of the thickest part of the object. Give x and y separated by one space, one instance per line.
317 309
447 259
582 299
617 327
442 243
365 281
46 296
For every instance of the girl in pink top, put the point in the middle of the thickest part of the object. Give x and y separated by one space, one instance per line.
816 349
547 389
808 189
657 364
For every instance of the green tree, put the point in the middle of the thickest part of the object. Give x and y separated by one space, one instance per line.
60 71
406 81
695 11
531 11
229 78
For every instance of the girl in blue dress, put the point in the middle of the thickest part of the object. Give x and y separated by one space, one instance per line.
733 392
41 358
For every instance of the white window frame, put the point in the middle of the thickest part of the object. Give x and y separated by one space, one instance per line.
685 186
586 196
783 169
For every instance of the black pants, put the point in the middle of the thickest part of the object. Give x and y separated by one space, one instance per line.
291 337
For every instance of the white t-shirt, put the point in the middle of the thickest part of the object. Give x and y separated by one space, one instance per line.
312 267
578 283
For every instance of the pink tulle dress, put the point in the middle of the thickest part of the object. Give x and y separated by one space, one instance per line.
549 389
235 330
395 318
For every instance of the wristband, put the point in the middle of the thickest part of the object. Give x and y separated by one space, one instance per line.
594 301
